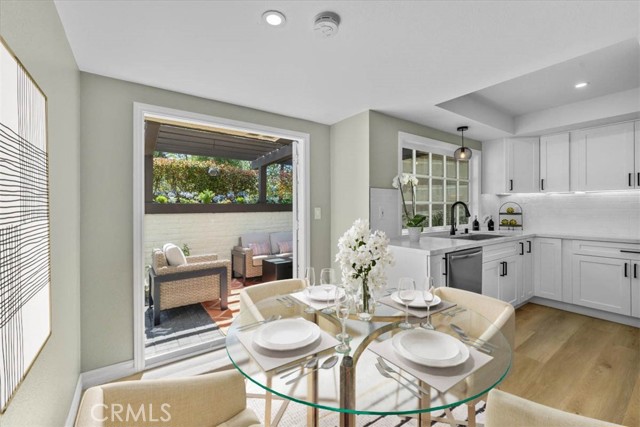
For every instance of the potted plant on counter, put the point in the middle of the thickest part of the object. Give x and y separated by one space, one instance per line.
413 221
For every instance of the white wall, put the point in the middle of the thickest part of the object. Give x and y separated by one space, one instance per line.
602 214
209 233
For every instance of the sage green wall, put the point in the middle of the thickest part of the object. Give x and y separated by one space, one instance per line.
32 29
383 137
107 210
349 174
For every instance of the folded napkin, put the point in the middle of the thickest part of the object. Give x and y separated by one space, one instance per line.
271 359
442 379
417 312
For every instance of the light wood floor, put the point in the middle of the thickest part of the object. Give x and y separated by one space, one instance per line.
577 363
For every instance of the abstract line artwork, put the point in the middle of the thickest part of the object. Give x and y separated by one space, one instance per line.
25 321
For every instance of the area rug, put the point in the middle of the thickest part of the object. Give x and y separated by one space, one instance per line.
176 324
296 413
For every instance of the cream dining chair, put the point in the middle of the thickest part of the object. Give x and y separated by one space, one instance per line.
211 400
501 314
504 409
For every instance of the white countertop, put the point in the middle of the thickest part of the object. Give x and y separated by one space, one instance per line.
443 244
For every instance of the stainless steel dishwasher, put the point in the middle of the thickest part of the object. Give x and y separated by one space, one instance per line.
464 269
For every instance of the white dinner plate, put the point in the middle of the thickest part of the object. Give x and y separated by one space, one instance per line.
286 334
430 348
418 302
317 293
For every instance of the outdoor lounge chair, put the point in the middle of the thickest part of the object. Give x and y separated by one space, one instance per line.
202 278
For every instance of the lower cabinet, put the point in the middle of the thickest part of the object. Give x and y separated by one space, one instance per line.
502 272
548 268
606 276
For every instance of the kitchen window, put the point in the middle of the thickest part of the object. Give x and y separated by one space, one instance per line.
442 180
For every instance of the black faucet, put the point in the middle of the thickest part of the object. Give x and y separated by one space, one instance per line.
453 218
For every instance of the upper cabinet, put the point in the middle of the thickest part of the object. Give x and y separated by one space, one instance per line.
637 154
554 163
603 158
510 165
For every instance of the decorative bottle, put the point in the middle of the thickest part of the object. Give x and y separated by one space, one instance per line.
490 223
476 224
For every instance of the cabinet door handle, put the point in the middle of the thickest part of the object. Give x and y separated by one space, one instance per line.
521 248
510 185
529 248
501 269
626 272
625 251
542 184
630 178
445 266
638 179
635 271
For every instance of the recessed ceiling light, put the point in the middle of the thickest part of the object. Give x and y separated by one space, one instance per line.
581 85
274 18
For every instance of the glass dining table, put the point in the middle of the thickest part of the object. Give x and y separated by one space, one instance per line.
358 383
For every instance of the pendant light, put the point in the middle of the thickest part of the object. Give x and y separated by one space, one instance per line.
463 153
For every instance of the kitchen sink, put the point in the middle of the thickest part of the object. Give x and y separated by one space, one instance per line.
476 236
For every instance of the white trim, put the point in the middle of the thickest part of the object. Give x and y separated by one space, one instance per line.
415 142
301 255
75 404
107 374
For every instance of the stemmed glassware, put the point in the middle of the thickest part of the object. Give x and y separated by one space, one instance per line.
343 307
327 282
310 282
406 294
427 294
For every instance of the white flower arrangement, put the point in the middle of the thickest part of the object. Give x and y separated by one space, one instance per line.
363 256
412 219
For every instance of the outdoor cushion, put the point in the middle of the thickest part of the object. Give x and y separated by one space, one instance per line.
261 248
258 237
285 247
282 236
257 260
174 255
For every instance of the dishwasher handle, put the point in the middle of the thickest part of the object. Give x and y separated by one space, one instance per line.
444 273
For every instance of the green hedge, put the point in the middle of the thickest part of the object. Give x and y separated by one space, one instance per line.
191 176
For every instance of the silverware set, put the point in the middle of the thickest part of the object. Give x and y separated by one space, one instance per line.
388 372
260 322
288 301
478 343
328 363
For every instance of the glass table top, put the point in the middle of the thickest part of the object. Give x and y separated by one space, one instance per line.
355 385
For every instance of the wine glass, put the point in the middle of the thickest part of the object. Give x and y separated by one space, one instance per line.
406 294
309 282
343 307
427 294
327 282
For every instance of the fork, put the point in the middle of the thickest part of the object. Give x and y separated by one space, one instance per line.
389 369
284 301
386 374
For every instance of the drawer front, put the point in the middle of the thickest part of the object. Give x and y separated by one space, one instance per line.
494 252
607 249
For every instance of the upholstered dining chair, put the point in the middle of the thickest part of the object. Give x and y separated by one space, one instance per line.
211 400
504 409
501 314
248 298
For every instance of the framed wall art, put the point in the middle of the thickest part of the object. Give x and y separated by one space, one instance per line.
25 285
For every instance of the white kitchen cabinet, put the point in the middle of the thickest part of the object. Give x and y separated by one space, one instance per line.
637 150
606 276
502 271
554 162
548 268
603 158
511 165
527 290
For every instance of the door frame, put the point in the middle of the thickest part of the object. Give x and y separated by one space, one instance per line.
301 214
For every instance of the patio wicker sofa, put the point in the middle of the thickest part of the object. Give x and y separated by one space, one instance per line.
253 248
202 278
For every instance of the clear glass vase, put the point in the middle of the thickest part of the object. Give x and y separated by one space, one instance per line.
365 305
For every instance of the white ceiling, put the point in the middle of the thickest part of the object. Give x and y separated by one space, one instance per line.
402 58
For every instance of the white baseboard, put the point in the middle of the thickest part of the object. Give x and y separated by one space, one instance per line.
75 404
587 311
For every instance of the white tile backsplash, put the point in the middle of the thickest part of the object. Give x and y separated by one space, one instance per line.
598 214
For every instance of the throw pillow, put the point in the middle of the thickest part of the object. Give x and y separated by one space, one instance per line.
285 247
174 255
260 248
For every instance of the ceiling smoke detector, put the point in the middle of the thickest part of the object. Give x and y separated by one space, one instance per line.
326 24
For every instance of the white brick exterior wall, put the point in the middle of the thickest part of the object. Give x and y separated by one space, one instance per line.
210 232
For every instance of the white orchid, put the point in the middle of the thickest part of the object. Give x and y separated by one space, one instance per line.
400 181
